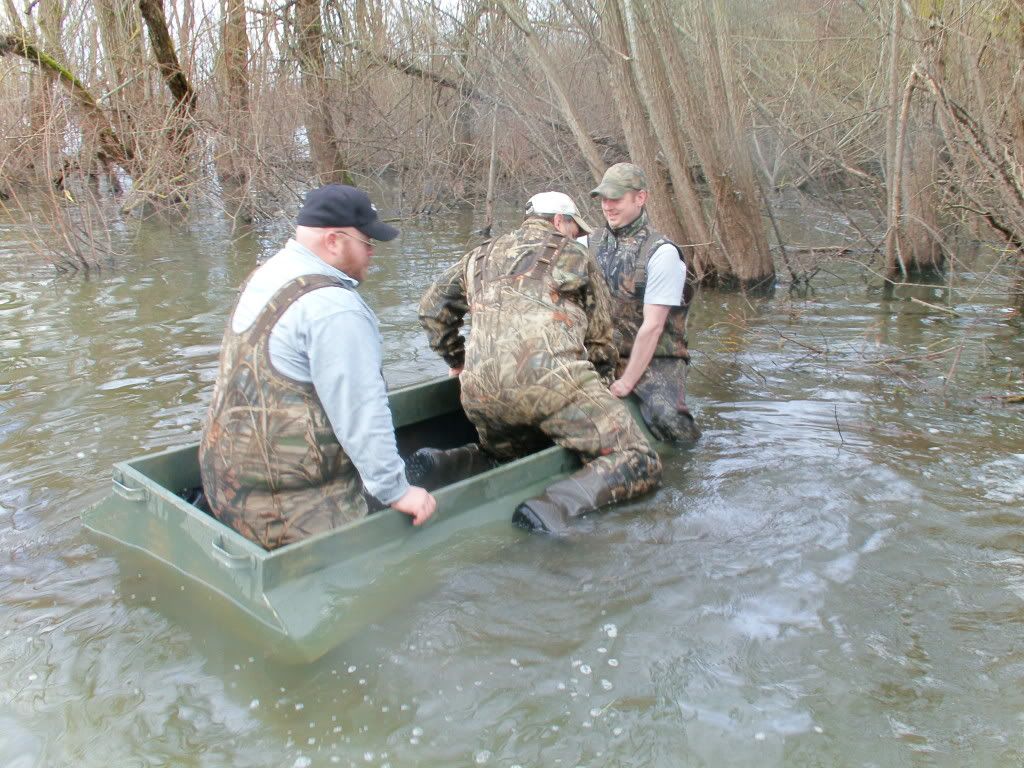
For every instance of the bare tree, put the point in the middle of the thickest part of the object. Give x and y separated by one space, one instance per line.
324 147
588 147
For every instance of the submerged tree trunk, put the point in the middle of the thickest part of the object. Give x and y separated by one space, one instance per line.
324 148
913 240
739 256
648 68
921 241
232 165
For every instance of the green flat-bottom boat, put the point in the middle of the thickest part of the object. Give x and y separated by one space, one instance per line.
305 598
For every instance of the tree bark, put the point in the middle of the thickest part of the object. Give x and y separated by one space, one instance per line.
324 148
231 162
740 255
185 97
636 125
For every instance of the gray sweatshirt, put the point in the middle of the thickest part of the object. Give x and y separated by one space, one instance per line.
330 337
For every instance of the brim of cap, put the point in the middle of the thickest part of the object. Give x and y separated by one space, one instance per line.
611 191
378 230
584 227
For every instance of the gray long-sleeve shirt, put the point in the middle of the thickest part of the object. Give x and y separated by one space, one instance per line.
330 337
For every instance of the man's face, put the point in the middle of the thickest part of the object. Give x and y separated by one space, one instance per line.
567 226
624 210
353 251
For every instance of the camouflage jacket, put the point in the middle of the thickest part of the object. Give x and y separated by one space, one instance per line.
536 299
623 255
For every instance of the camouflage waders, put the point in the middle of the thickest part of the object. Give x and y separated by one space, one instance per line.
623 256
272 467
541 334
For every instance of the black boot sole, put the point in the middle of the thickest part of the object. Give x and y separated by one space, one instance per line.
526 518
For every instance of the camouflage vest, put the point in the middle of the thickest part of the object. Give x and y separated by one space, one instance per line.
523 291
271 465
623 257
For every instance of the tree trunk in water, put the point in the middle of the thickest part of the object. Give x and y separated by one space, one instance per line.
185 97
324 149
641 142
732 174
232 163
47 126
740 255
176 167
491 174
913 241
463 108
922 247
711 263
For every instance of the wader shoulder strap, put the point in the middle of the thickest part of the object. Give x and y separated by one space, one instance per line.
546 255
478 263
288 295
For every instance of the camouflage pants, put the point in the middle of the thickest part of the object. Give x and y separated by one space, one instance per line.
662 394
571 406
273 519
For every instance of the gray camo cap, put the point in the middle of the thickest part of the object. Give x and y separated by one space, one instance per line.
619 179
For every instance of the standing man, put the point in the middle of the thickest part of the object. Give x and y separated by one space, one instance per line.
646 276
299 423
537 364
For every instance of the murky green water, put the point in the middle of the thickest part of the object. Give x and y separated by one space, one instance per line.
834 575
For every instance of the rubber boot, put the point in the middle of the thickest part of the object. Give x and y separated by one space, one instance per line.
563 501
433 468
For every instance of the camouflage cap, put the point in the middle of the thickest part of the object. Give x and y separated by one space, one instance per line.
619 179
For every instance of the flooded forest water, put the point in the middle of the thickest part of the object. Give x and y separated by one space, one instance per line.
833 575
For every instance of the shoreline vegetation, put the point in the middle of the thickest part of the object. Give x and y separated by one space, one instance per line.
904 119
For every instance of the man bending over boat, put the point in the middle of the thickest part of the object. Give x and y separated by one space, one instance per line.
299 423
537 363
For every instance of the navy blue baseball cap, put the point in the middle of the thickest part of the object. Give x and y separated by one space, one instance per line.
339 205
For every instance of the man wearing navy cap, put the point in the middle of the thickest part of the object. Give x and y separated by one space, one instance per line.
299 423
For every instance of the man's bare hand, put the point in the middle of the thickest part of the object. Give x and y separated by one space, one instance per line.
417 503
620 388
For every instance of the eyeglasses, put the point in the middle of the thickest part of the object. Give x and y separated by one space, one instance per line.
367 243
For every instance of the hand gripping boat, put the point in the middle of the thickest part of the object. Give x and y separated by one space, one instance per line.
305 598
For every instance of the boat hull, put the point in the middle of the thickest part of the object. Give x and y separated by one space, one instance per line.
304 599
